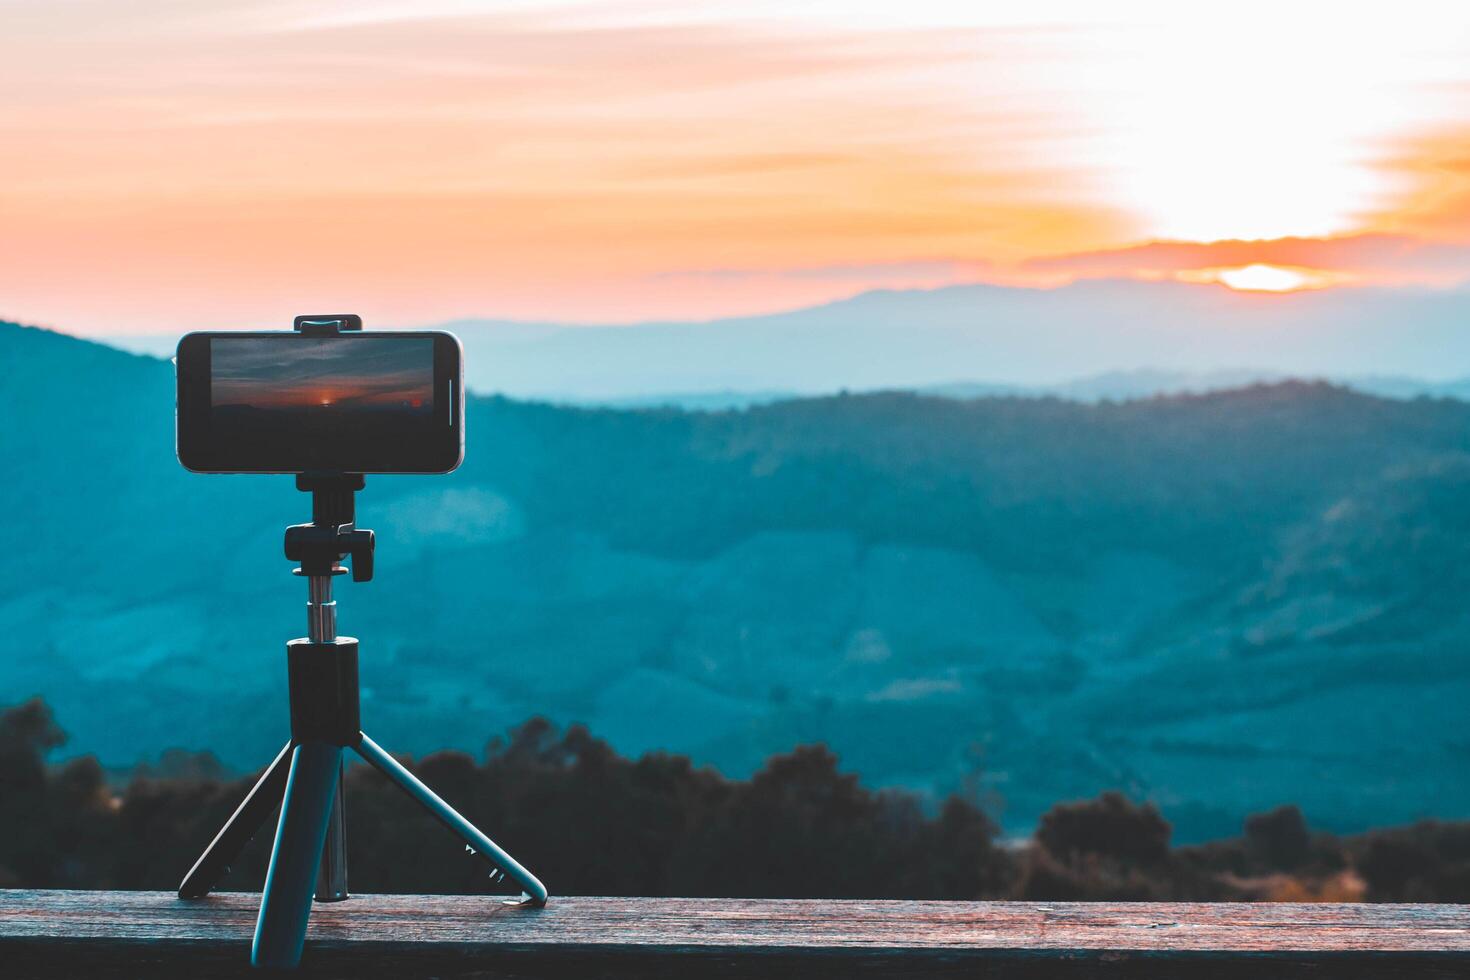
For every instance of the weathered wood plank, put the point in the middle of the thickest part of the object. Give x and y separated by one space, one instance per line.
59 933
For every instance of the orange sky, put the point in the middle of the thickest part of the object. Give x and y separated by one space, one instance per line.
173 165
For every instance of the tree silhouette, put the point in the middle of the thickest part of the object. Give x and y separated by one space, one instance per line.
593 822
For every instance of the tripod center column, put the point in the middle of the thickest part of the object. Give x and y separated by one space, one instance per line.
321 610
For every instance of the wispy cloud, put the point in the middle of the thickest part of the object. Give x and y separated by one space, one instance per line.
1371 258
935 271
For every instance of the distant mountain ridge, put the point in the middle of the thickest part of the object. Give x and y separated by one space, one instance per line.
1087 340
1113 386
1108 386
916 339
1220 602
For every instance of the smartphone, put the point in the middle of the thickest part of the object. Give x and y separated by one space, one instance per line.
351 402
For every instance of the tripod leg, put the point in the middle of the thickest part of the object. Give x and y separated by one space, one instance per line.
253 811
280 932
535 892
331 879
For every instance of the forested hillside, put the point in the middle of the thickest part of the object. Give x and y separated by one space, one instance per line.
1220 602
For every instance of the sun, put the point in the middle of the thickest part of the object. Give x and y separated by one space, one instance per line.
1261 278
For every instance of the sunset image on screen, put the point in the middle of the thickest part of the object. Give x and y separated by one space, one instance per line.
290 403
342 374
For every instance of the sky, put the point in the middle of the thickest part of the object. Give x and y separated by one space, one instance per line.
180 164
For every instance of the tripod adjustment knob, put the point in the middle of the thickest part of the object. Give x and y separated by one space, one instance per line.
320 546
358 542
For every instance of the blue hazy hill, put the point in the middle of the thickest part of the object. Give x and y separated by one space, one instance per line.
1221 602
1085 340
915 339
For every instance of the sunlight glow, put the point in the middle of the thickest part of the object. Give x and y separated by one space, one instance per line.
1263 279
1214 128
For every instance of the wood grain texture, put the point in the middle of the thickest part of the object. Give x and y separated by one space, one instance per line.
61 933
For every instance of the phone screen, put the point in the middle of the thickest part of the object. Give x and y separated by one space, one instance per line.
355 402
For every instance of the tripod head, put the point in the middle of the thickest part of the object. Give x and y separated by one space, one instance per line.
332 534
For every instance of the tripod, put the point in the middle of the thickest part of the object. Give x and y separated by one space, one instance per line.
306 775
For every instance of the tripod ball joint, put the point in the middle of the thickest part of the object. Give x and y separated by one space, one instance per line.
318 547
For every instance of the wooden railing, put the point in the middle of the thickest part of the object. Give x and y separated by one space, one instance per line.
154 934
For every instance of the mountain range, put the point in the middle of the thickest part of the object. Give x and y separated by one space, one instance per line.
1087 340
1220 602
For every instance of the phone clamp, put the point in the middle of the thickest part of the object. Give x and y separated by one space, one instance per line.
309 855
327 323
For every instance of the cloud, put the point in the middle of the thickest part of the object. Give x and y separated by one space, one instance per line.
1437 168
1387 258
737 165
872 274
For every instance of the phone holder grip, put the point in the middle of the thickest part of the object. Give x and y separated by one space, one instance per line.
326 323
320 546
